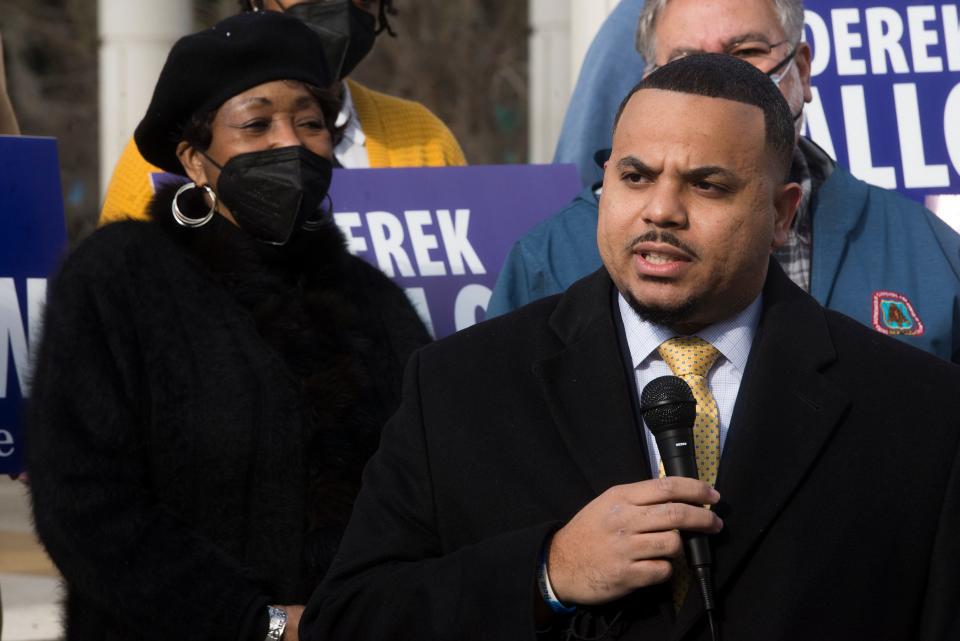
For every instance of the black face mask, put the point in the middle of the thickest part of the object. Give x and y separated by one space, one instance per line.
363 35
348 32
273 192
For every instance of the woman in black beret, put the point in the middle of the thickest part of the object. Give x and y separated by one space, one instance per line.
210 383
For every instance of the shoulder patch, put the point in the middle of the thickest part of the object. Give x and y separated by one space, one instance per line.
893 314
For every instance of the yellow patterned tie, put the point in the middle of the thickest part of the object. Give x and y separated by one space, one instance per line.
690 358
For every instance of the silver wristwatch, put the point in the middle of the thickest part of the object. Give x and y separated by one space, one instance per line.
278 622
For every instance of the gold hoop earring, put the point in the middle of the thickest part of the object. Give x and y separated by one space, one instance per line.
186 221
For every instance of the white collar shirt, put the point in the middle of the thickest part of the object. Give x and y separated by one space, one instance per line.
351 151
732 337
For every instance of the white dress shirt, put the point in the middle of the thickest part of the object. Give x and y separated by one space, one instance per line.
732 338
351 151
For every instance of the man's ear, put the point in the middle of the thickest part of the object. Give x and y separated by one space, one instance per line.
786 200
803 57
192 161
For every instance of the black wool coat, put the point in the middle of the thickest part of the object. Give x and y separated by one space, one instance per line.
839 484
201 411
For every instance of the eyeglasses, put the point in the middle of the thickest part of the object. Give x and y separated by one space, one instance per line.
759 53
779 70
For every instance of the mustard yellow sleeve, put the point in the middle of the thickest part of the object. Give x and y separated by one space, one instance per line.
130 188
452 153
403 133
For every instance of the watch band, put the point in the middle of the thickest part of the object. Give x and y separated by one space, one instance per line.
546 590
278 623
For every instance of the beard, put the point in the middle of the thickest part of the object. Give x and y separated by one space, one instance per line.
674 316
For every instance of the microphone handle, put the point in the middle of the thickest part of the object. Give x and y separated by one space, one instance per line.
679 459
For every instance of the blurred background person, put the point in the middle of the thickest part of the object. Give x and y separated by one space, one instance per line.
8 119
211 382
374 129
611 67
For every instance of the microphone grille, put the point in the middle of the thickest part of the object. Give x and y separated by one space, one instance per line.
667 403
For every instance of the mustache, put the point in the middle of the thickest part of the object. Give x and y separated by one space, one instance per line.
665 237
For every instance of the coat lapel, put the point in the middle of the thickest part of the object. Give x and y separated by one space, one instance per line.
785 413
587 388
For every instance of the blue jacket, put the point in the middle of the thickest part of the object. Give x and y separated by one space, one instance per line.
877 257
610 69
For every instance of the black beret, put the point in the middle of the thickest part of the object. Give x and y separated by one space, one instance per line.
206 69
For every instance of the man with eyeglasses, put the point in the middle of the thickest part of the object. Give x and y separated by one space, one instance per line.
865 251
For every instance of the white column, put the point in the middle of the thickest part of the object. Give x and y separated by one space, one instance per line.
560 34
135 38
550 81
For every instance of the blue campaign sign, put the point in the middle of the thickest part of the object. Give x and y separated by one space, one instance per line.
443 233
32 240
886 92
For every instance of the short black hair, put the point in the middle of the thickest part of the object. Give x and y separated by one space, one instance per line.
718 75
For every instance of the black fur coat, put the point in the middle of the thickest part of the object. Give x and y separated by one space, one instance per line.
201 411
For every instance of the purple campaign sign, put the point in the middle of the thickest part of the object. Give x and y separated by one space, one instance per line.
443 233
32 239
886 94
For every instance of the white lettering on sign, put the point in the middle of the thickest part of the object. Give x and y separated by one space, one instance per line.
470 299
455 241
916 172
13 338
884 32
423 242
820 43
886 29
951 127
898 40
388 233
6 444
951 35
858 140
919 172
845 41
922 38
418 298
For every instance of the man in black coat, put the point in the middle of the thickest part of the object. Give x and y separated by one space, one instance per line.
515 493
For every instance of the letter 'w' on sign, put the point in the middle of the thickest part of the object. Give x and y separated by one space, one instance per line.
32 241
13 338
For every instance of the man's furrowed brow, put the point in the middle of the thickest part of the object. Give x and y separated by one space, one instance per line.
632 163
712 171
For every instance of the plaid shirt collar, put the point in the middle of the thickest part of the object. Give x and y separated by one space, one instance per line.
811 167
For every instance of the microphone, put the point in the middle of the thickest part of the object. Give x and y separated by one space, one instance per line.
669 410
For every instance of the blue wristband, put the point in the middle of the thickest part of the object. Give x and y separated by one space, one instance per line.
546 590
